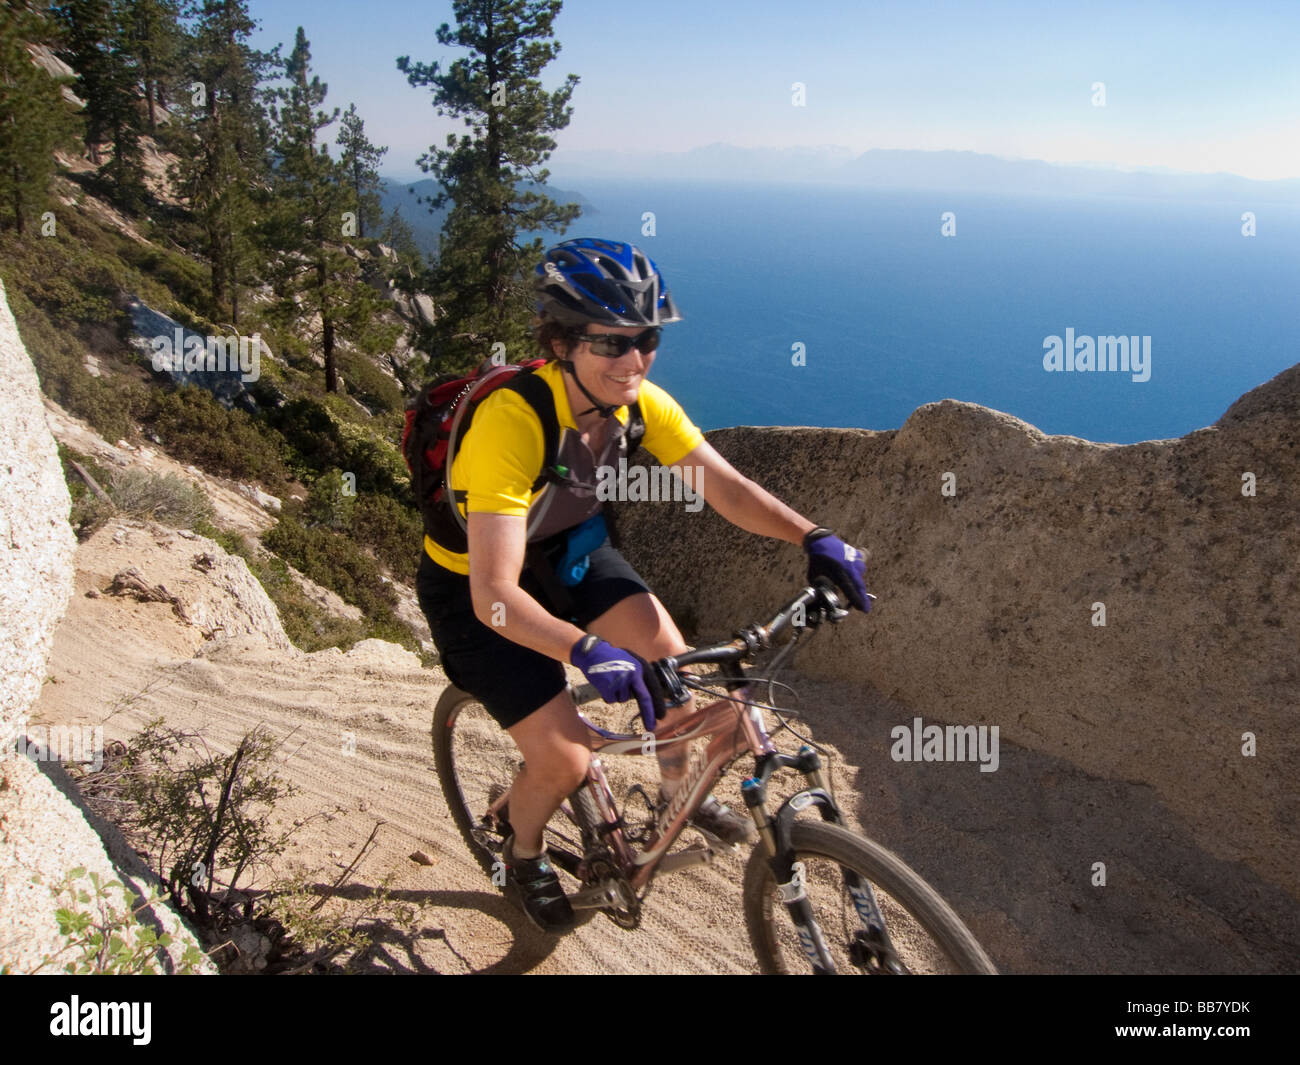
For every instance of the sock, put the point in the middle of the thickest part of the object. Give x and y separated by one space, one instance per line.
521 853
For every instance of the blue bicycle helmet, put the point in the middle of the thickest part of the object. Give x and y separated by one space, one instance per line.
606 282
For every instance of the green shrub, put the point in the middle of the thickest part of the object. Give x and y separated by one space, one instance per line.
334 561
89 511
369 385
63 274
206 822
231 542
322 437
331 503
179 283
310 626
58 352
393 530
195 428
77 486
104 933
164 498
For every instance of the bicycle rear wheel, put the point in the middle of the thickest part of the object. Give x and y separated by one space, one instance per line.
926 936
476 761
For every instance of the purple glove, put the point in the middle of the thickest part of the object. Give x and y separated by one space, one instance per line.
829 556
616 674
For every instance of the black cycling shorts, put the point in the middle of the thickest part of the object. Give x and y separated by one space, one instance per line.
511 680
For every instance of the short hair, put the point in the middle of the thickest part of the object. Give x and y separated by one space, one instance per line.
547 329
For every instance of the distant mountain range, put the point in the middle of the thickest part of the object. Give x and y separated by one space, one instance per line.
880 168
426 225
905 169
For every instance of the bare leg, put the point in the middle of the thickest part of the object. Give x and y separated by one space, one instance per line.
554 745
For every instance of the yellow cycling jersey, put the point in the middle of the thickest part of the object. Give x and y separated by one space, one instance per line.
502 454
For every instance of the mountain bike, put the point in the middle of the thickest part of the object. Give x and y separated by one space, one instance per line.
817 896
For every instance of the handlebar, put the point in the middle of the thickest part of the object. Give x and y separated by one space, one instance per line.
815 604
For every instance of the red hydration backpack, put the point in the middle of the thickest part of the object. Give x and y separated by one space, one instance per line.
436 423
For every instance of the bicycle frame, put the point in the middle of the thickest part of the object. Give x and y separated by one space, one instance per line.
732 724
731 729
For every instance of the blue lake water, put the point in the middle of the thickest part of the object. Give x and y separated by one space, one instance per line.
892 315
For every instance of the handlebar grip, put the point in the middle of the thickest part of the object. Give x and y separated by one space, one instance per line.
584 693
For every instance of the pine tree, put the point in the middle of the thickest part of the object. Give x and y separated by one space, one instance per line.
223 171
33 117
96 46
360 161
314 211
482 277
154 38
397 234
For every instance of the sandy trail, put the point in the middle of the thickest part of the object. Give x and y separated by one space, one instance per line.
129 662
1012 851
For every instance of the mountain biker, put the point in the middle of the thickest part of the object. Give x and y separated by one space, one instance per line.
499 619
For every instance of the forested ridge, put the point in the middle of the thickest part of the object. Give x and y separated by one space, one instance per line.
171 195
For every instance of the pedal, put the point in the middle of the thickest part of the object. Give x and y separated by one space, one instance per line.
714 844
608 893
699 854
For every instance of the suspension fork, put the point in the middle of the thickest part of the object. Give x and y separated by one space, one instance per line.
775 832
775 835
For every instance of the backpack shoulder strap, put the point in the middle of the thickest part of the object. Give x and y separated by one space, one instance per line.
538 394
635 431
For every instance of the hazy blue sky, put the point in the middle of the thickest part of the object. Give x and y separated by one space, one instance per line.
1200 86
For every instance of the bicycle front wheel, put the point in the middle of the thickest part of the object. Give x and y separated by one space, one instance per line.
914 930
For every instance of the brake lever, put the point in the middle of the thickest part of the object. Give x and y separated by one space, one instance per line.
836 608
670 685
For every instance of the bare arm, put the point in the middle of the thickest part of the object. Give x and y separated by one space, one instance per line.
497 543
740 500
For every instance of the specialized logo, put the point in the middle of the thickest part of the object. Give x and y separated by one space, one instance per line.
814 946
696 771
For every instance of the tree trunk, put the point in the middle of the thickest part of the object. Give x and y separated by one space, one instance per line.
361 210
327 342
327 333
234 284
18 199
218 264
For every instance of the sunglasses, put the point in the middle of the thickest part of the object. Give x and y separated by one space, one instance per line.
615 345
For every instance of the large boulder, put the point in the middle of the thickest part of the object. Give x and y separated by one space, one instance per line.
1130 610
44 833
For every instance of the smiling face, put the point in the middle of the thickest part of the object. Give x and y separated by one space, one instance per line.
614 382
